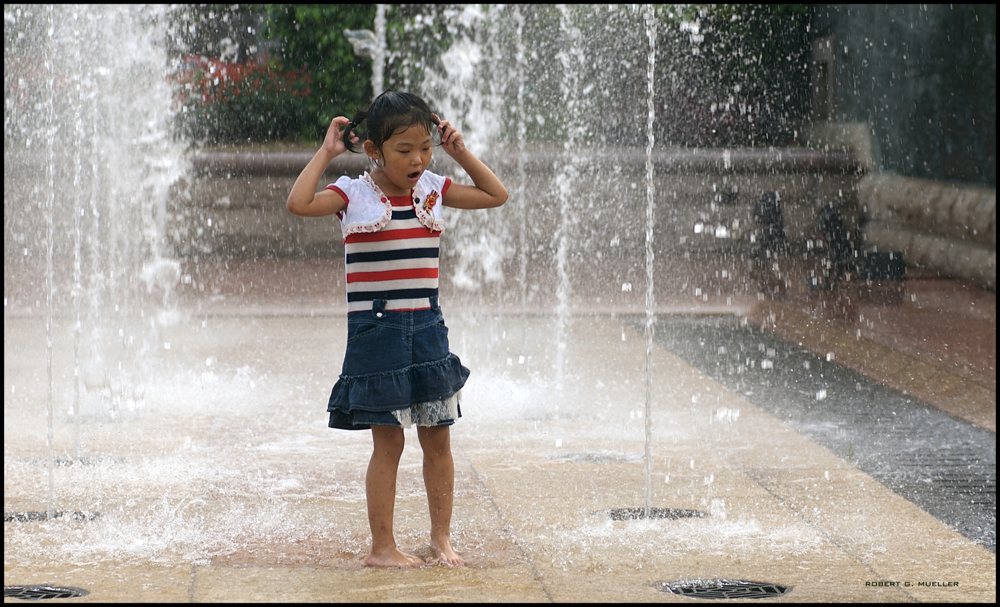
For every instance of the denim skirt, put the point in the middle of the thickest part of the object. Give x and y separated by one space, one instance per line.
397 366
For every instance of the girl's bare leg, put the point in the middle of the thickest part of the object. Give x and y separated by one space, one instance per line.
439 480
380 488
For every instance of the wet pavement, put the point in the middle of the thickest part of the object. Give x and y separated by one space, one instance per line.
943 464
839 447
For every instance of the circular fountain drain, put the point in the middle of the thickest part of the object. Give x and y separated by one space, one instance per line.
723 589
42 591
630 514
24 517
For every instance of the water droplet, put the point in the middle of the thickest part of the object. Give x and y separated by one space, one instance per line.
717 508
726 414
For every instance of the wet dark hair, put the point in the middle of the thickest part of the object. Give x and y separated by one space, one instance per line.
390 112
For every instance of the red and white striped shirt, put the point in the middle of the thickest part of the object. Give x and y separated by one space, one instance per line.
399 261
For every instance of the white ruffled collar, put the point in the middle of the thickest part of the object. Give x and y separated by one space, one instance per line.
424 205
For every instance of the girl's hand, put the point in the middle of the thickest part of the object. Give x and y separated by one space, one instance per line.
451 139
333 144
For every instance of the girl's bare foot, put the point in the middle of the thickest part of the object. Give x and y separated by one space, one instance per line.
444 554
392 558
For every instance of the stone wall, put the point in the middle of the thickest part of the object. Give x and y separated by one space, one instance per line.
704 201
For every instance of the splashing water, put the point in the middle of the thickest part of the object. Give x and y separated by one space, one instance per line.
87 153
650 19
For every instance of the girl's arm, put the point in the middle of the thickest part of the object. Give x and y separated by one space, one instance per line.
304 200
488 192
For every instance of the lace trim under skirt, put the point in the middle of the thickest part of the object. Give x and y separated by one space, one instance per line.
432 413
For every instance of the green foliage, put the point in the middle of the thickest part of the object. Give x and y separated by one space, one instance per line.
733 74
275 72
311 37
416 35
226 102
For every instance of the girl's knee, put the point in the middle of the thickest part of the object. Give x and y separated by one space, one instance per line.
435 441
388 440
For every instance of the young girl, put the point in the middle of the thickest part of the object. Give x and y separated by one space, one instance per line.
398 370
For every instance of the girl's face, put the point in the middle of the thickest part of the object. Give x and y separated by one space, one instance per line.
404 157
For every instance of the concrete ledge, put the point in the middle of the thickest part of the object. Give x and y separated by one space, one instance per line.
671 160
945 227
963 212
948 256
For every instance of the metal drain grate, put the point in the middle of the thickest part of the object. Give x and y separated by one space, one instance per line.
631 514
723 589
24 517
43 591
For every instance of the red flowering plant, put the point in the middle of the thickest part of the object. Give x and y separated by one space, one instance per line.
227 102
